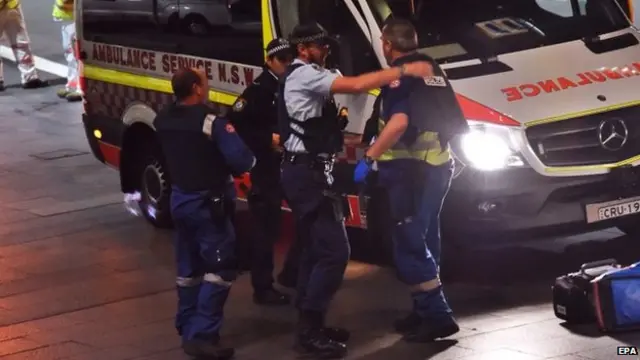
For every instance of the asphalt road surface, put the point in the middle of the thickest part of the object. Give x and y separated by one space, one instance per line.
81 279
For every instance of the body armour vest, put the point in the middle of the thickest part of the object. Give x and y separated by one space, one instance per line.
322 134
193 160
433 105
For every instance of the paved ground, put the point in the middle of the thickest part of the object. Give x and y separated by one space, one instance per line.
80 279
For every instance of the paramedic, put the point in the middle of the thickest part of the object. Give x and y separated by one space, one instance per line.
14 29
414 162
63 14
202 152
311 132
254 116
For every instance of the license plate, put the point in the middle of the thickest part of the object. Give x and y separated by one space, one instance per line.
612 209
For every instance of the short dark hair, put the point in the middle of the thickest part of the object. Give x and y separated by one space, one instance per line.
401 34
183 81
283 56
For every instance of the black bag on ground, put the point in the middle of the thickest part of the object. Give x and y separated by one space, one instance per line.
572 293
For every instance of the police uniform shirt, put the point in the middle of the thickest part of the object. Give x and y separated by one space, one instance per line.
306 90
255 114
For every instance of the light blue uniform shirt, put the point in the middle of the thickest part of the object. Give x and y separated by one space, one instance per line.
305 92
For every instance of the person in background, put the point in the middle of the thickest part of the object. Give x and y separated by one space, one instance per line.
254 115
14 29
63 14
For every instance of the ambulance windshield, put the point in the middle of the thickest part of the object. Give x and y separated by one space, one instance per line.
457 30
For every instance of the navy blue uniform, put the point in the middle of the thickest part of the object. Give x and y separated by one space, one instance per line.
416 173
306 181
255 117
202 152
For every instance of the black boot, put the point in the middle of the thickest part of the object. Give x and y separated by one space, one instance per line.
35 84
288 280
429 330
312 340
2 88
408 323
207 350
336 334
271 297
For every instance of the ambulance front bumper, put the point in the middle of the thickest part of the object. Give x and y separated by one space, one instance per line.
523 201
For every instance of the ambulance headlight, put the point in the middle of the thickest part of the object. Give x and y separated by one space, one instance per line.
489 147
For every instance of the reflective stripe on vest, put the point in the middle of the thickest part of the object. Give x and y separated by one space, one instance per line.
425 148
9 4
63 9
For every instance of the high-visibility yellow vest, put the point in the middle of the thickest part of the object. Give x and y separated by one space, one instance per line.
9 4
63 9
425 148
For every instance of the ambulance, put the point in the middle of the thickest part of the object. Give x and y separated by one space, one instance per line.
550 88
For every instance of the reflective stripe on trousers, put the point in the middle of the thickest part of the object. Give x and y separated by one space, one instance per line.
68 40
13 26
188 282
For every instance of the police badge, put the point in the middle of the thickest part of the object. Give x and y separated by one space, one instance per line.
239 105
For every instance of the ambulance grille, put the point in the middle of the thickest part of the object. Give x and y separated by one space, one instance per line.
603 138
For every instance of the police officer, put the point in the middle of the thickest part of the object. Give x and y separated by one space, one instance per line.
202 152
254 116
312 134
418 118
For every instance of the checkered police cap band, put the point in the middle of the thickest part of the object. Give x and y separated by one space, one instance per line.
308 39
277 49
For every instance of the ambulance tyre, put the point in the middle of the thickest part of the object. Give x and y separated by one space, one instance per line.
196 25
155 189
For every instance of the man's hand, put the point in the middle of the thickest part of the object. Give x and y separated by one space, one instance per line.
362 170
275 140
419 69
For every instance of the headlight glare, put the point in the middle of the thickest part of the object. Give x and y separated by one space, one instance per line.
489 148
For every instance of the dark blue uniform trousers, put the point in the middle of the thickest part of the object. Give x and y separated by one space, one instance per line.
416 192
325 245
205 252
265 201
436 182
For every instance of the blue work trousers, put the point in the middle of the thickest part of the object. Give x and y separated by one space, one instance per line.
416 192
205 259
323 238
436 182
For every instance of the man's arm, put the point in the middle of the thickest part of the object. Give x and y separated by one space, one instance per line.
374 80
392 132
236 153
324 82
397 101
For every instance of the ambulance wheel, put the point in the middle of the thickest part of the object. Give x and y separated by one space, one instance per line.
155 192
196 25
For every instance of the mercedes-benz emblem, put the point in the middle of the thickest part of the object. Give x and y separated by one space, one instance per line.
613 134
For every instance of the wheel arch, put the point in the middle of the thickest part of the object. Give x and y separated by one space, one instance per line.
138 139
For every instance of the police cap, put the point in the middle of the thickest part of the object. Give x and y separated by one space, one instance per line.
310 33
279 48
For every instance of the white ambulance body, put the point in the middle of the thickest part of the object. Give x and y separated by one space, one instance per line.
549 86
